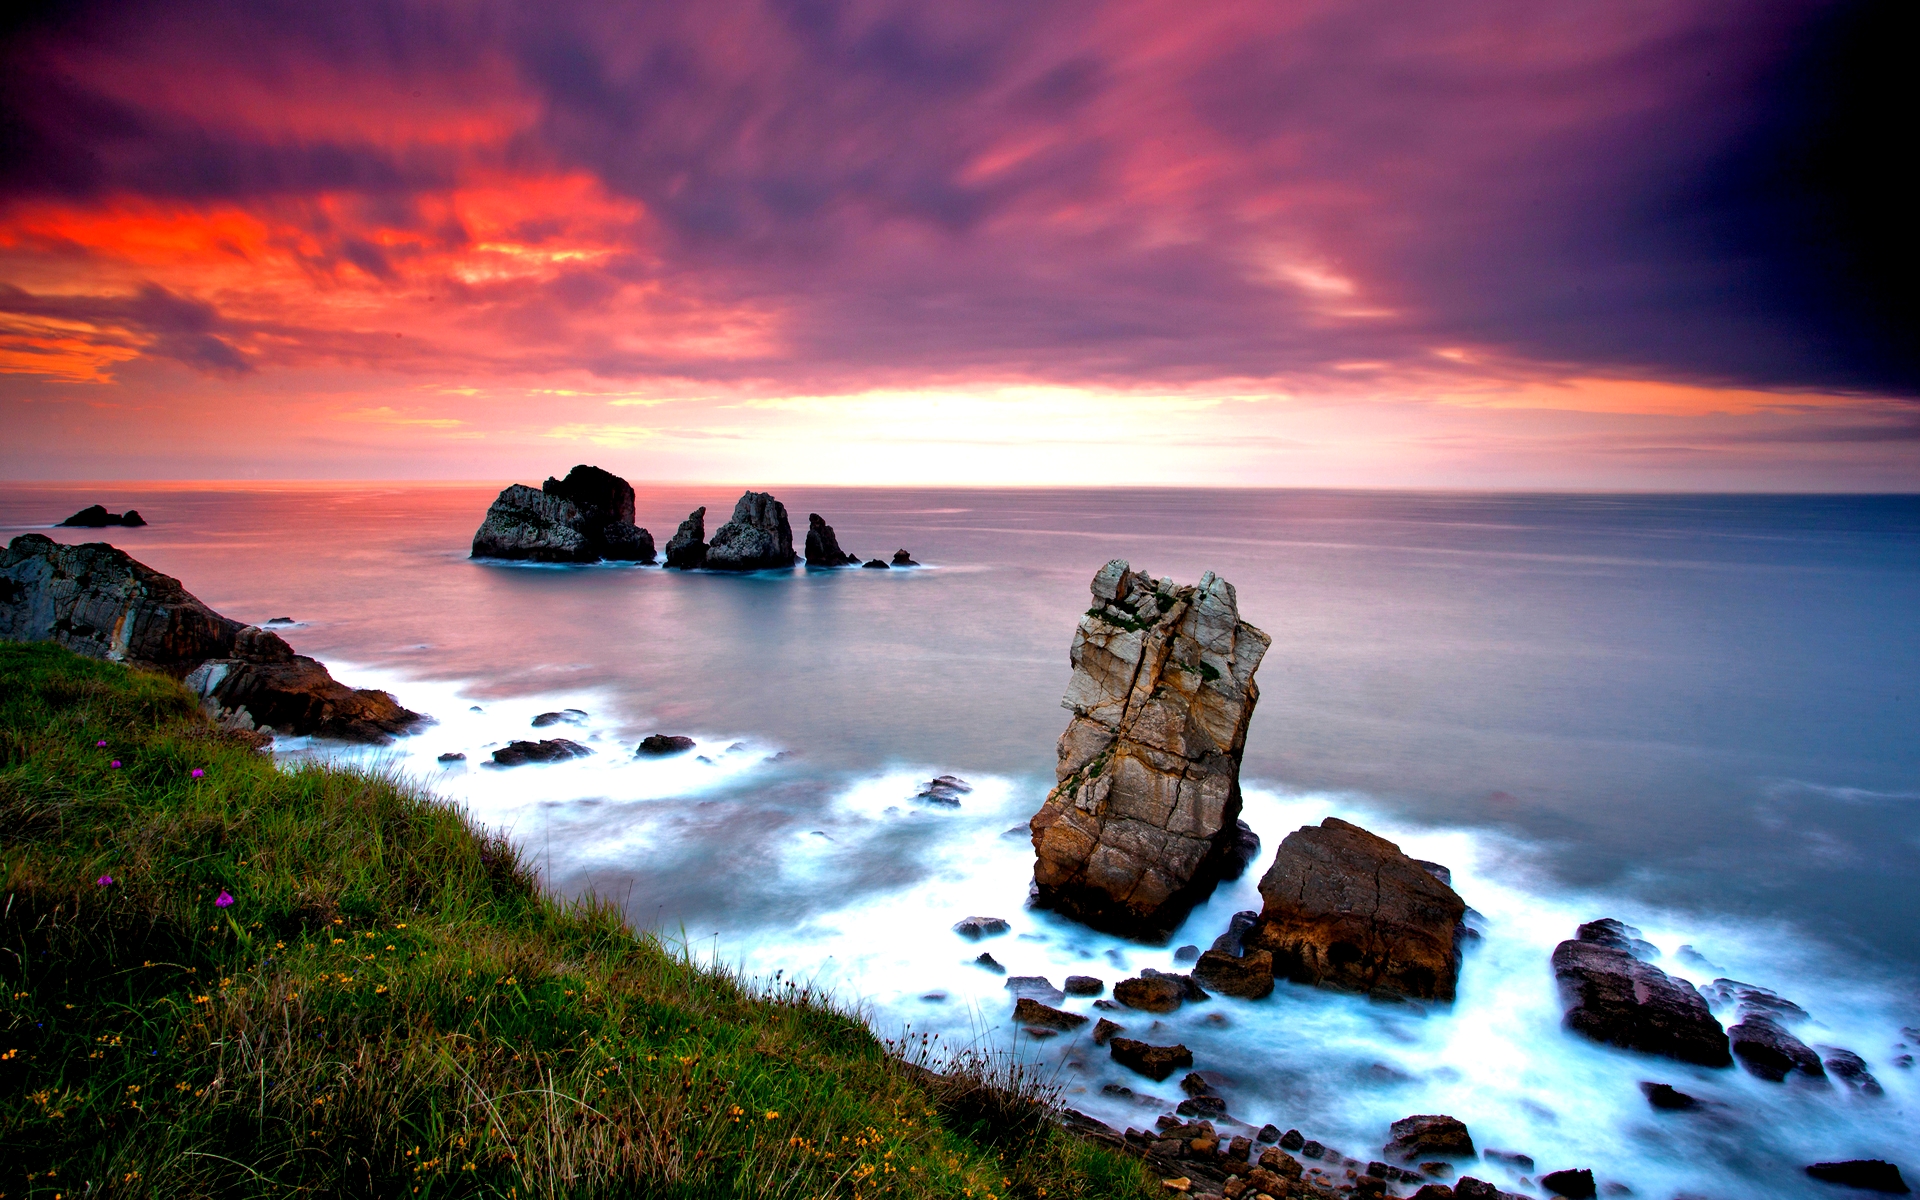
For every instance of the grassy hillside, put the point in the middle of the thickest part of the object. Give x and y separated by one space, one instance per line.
221 978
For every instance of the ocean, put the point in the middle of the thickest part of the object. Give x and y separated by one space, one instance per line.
1697 714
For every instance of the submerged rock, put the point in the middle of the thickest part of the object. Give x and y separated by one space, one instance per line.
875 564
944 790
1105 1029
516 754
823 548
1143 821
1084 985
453 756
1574 1185
100 602
975 928
756 538
1850 1069
1248 976
1156 994
96 516
990 963
1667 1098
586 517
1768 1051
1613 997
1155 1062
1432 1135
1866 1174
1747 999
1028 1011
687 548
1345 908
658 745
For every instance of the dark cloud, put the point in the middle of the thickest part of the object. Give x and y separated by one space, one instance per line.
163 324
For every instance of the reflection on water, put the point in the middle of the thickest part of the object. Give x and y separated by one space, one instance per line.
1695 713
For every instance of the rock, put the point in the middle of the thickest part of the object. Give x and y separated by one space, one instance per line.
1186 954
975 928
95 516
1242 852
902 559
1155 1062
989 962
281 621
823 549
1748 999
1268 1133
1667 1098
1143 820
1233 942
756 538
1084 985
1850 1069
1344 908
1202 1106
1470 1188
571 716
515 754
659 744
875 564
1430 1136
1156 994
586 517
1196 1084
1618 935
687 548
944 790
1391 1173
452 756
99 602
1768 1051
1292 1139
1574 1185
1613 997
1028 1011
1434 1191
1250 977
1866 1174
1104 1029
1522 1163
1034 985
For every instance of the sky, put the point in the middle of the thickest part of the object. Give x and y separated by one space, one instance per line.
1490 243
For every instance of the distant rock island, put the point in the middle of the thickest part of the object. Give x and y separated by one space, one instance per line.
98 601
756 538
586 517
96 516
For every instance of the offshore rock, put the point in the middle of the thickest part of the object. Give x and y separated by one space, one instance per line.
1028 1011
1866 1174
1432 1135
1155 1062
687 548
586 517
98 601
1613 997
660 744
1248 976
1345 908
1769 1052
96 516
1143 820
756 538
823 549
516 754
902 559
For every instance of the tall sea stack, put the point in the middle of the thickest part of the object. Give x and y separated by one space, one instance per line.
1145 817
586 517
756 538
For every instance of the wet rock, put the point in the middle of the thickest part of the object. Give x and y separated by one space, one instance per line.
756 538
975 928
1434 1191
1186 954
1519 1162
902 559
944 790
1429 1135
1104 1029
516 754
1748 999
1314 1150
1084 985
1345 908
1850 1069
1202 1106
281 621
1156 994
1268 1133
1574 1185
1866 1174
1142 822
659 744
875 564
1667 1098
571 716
1619 936
1391 1173
1155 1062
1233 941
1242 852
687 548
1613 997
586 517
1250 976
1768 1051
1035 985
823 548
1436 1170
990 963
452 756
96 516
1028 1011
1292 1140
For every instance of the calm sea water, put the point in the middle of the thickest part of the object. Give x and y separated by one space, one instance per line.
1699 714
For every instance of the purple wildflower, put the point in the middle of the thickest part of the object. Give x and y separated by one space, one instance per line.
104 881
197 772
224 899
102 743
115 764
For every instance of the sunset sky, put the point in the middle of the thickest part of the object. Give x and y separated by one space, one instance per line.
1299 242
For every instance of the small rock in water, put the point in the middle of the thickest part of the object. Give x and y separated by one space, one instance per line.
548 718
1233 942
515 754
1867 1174
1615 997
1850 1069
989 962
1292 1139
1104 1030
1028 1011
1666 1097
944 789
1035 985
280 621
1436 1170
1574 1185
1769 1052
476 708
1155 1062
1084 985
902 559
663 743
1186 954
975 928
1158 994
1507 1158
453 756
875 564
1430 1135
935 997
1249 976
1268 1133
1202 1106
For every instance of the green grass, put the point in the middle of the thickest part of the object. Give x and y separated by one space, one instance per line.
390 1006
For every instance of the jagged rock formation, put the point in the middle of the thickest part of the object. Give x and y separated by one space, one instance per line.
687 548
1345 908
756 538
98 601
96 516
823 548
1143 820
586 517
1613 997
902 559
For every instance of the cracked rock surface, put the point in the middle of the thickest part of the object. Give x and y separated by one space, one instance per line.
1143 819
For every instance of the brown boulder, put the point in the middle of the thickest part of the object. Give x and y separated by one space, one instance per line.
1028 1011
1249 976
1155 994
1155 1062
1345 908
1429 1136
1143 820
1613 997
1104 1030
